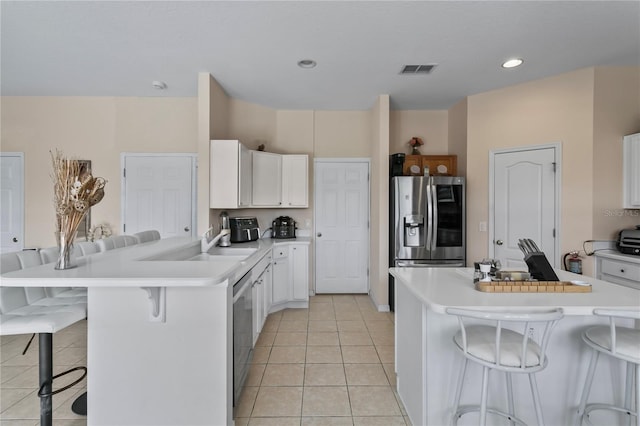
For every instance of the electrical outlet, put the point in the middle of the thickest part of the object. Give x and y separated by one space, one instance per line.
483 227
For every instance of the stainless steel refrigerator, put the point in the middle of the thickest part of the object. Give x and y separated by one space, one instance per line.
427 222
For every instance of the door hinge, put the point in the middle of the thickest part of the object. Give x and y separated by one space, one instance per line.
124 173
553 165
124 227
367 272
554 232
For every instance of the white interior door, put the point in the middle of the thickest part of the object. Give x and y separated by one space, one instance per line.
525 196
11 201
342 226
159 193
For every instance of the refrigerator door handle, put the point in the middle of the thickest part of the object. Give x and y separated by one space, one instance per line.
429 223
434 201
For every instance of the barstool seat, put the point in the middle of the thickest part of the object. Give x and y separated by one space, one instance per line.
619 342
505 349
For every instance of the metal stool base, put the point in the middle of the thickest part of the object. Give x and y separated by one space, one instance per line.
472 408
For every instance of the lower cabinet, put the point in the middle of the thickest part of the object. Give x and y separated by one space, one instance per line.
290 284
261 294
618 269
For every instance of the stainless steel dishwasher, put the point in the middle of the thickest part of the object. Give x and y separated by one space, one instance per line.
242 333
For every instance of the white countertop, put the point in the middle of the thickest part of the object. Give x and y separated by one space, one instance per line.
126 267
440 288
616 255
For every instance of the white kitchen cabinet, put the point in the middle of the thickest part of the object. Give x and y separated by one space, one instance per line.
266 188
295 181
618 268
280 282
260 274
631 171
229 175
290 281
299 261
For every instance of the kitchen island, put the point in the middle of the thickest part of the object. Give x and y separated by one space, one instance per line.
159 330
427 363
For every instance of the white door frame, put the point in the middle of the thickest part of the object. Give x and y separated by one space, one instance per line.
194 182
342 160
20 155
557 147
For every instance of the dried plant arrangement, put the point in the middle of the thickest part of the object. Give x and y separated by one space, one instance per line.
75 190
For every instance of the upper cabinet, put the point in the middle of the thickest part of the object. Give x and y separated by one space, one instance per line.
267 179
631 171
229 175
414 165
295 180
241 178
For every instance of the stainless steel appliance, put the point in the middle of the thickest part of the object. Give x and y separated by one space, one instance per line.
242 333
427 222
283 227
225 241
244 229
629 241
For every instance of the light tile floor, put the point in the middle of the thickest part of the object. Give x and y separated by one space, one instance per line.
331 364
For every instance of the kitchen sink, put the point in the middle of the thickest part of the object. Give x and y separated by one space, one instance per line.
234 254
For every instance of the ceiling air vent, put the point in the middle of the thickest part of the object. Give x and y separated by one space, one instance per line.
418 69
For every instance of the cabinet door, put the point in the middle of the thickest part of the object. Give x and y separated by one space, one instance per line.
631 167
267 293
440 164
257 314
280 283
299 258
245 174
224 174
295 178
267 179
412 160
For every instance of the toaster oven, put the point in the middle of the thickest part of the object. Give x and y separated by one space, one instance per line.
629 241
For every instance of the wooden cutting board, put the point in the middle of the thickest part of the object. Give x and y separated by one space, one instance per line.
531 287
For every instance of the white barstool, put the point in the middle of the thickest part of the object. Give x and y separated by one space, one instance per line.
618 342
496 347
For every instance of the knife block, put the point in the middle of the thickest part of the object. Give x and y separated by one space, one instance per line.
539 267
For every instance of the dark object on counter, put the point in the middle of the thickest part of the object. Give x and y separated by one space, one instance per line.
283 227
629 241
396 164
244 229
539 267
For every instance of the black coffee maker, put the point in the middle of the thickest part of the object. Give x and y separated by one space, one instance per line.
396 164
283 227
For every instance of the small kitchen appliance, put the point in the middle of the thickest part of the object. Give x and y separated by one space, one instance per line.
225 241
283 227
629 241
244 229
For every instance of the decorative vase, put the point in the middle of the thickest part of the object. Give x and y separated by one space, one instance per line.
415 151
65 247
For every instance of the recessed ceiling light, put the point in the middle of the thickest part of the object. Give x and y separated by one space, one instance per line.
512 63
160 85
307 63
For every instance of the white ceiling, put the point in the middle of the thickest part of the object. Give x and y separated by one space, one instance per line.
117 48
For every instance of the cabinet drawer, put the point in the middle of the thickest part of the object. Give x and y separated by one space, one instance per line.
621 270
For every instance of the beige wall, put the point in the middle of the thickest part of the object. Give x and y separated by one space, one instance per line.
96 129
342 134
457 123
429 125
617 113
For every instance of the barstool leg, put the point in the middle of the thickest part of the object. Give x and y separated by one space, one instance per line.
628 383
45 356
536 398
456 404
587 385
512 411
483 398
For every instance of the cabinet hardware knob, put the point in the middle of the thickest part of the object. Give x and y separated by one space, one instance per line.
622 270
186 229
499 242
319 234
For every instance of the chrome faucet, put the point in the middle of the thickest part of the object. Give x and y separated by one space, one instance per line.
205 244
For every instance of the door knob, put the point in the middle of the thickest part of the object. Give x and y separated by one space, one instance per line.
319 234
15 240
186 229
499 242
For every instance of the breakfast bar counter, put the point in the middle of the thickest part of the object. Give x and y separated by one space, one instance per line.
427 364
